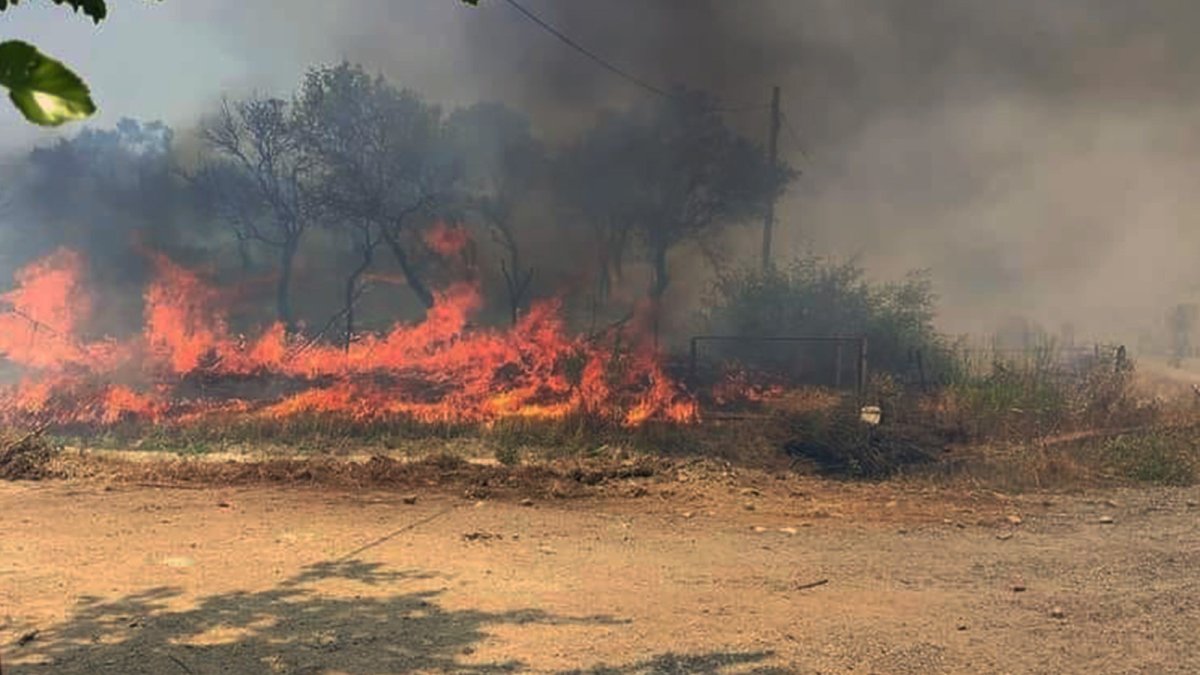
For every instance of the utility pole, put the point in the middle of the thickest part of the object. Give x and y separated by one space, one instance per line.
773 158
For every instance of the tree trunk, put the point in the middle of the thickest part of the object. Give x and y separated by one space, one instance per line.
514 293
603 283
516 289
510 268
351 291
283 299
410 275
603 242
616 254
244 254
659 286
661 276
517 280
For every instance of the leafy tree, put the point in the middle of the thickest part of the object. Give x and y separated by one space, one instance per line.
661 175
262 182
120 183
381 159
691 173
502 164
819 297
591 181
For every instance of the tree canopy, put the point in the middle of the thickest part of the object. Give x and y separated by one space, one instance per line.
662 174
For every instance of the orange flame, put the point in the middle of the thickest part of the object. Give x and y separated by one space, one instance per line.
447 240
438 370
738 386
45 310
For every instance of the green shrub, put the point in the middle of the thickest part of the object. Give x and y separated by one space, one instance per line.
1156 456
1034 393
820 297
840 443
508 455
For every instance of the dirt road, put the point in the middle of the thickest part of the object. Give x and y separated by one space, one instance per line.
796 576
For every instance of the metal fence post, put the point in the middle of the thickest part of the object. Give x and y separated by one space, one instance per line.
921 370
837 365
862 366
839 343
692 359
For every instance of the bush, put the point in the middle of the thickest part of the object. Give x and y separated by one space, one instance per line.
25 456
820 297
508 455
1155 457
1038 393
1009 401
838 443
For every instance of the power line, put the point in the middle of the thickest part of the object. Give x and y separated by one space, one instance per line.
744 108
586 52
605 64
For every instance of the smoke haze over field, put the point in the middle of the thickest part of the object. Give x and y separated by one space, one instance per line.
1038 156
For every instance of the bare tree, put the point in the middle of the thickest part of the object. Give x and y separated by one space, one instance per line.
694 174
592 183
366 239
502 164
261 182
669 173
662 175
379 155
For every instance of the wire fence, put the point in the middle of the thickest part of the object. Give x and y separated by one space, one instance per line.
839 362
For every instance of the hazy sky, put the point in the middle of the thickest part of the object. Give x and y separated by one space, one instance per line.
1039 155
168 60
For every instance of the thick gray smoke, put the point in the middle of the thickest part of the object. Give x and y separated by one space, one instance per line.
1036 155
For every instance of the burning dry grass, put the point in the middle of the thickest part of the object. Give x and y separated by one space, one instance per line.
800 400
544 459
188 364
817 426
557 454
753 441
533 398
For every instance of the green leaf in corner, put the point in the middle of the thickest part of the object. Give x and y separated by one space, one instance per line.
44 90
96 9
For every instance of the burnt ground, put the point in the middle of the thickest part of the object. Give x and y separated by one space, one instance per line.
685 571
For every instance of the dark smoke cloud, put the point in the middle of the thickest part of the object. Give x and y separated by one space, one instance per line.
1036 154
843 63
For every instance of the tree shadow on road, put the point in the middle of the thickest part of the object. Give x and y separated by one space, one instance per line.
297 628
291 628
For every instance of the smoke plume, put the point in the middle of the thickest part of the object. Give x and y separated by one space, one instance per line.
1036 156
